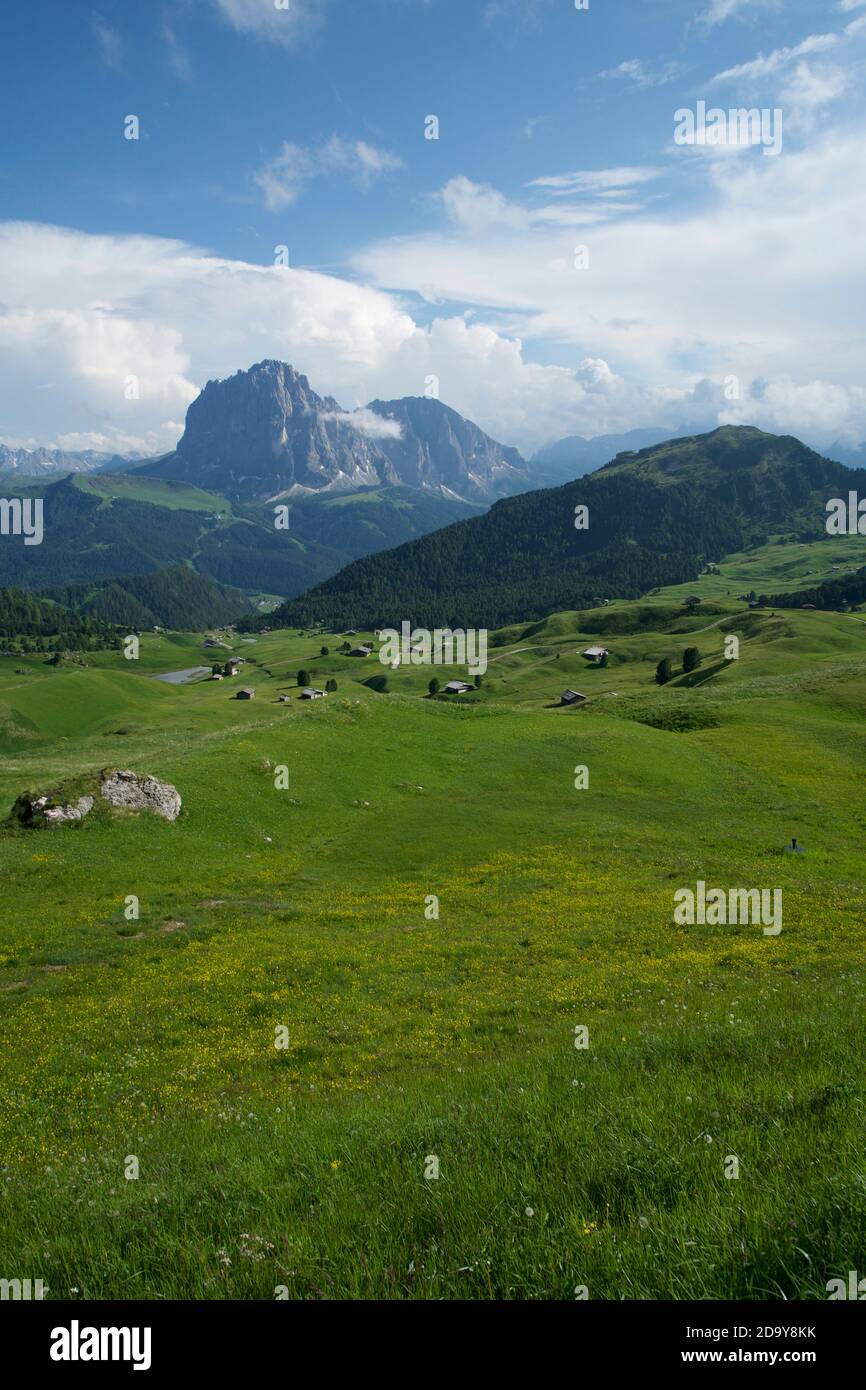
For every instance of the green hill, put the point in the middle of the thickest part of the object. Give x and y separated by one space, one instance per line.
654 518
105 527
175 597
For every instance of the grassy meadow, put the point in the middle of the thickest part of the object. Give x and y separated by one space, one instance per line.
420 1043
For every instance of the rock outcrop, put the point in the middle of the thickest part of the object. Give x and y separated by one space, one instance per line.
122 790
49 810
128 791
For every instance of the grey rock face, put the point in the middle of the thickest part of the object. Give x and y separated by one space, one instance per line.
128 791
266 434
440 451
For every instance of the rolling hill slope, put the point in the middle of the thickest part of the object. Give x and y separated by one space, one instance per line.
654 518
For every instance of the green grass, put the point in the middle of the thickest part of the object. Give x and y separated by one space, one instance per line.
125 487
411 1035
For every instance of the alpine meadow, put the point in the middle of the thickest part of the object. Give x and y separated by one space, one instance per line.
433 669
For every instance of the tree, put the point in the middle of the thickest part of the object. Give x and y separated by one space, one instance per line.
478 682
331 686
692 602
326 651
664 671
303 678
603 660
691 659
434 687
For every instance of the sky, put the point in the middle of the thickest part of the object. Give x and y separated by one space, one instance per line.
568 255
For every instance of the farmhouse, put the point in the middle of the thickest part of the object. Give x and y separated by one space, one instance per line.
284 700
596 654
361 651
312 694
457 688
217 676
571 697
246 692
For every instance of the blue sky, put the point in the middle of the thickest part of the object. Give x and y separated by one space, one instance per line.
409 257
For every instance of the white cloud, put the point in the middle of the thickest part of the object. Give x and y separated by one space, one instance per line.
812 85
284 177
262 20
368 423
178 58
753 284
762 66
109 40
720 10
635 70
599 181
477 206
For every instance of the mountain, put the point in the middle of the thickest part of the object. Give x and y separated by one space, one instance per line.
439 451
655 517
40 463
265 434
575 455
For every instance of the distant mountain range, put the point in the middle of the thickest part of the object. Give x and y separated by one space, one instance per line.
39 463
265 435
575 455
655 517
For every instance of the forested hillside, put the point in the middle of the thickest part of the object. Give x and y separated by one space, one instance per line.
654 518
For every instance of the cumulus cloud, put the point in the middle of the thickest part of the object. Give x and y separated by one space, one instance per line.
283 178
754 284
